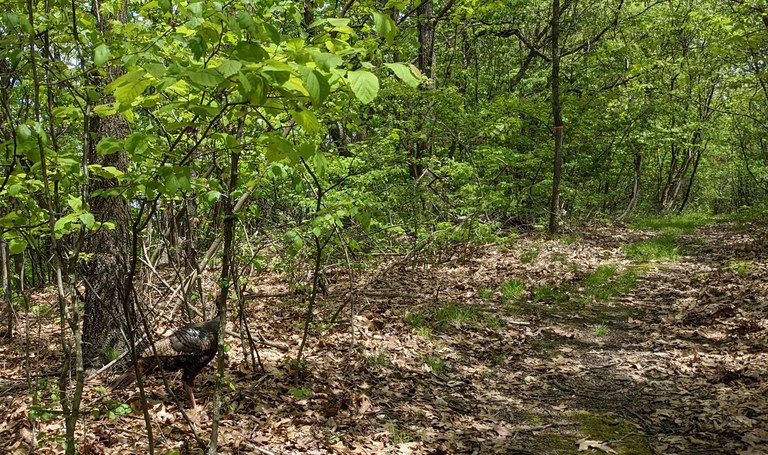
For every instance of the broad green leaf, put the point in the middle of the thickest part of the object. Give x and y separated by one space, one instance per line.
17 246
105 110
317 86
326 60
249 52
278 148
252 87
207 77
108 146
101 54
385 26
75 202
404 73
229 67
364 85
107 172
88 219
23 132
156 69
307 120
128 86
136 143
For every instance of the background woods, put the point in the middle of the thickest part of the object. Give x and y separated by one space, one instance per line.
157 158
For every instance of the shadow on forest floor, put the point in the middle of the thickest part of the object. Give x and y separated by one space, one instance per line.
500 350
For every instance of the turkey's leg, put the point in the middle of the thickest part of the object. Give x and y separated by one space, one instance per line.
188 388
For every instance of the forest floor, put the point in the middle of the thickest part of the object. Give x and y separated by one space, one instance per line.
609 340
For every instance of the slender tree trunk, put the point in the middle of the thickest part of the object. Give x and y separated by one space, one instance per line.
635 186
557 116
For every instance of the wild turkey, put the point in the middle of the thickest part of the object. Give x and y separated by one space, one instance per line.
189 349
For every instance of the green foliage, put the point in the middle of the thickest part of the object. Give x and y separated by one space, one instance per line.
660 248
547 293
601 330
512 291
299 392
436 364
672 224
606 282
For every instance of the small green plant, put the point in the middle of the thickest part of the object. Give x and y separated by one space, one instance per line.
549 294
512 291
416 320
485 293
529 255
424 332
299 392
741 268
601 330
379 358
399 435
663 248
436 364
455 314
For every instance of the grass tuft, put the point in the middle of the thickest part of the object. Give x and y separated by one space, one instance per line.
663 248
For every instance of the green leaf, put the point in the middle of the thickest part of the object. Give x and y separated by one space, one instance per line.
207 77
253 87
278 148
104 110
101 54
17 246
229 67
128 86
325 60
249 52
88 220
404 73
108 146
317 86
76 203
385 26
364 84
307 120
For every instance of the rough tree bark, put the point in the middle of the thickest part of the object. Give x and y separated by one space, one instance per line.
105 273
557 116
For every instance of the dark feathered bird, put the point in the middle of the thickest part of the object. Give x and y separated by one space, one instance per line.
188 349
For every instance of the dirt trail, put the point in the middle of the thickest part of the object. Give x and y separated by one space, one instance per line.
522 348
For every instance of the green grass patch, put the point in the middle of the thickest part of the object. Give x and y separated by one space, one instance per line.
377 359
672 224
741 268
601 330
449 315
662 248
529 255
454 314
399 435
547 293
606 281
436 364
512 291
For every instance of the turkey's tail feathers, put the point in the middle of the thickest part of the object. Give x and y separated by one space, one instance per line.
124 380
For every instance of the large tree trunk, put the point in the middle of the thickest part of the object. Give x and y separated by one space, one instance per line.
106 272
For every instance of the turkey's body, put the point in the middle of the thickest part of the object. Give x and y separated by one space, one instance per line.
189 349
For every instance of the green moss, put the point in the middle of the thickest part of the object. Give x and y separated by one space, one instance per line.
608 427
